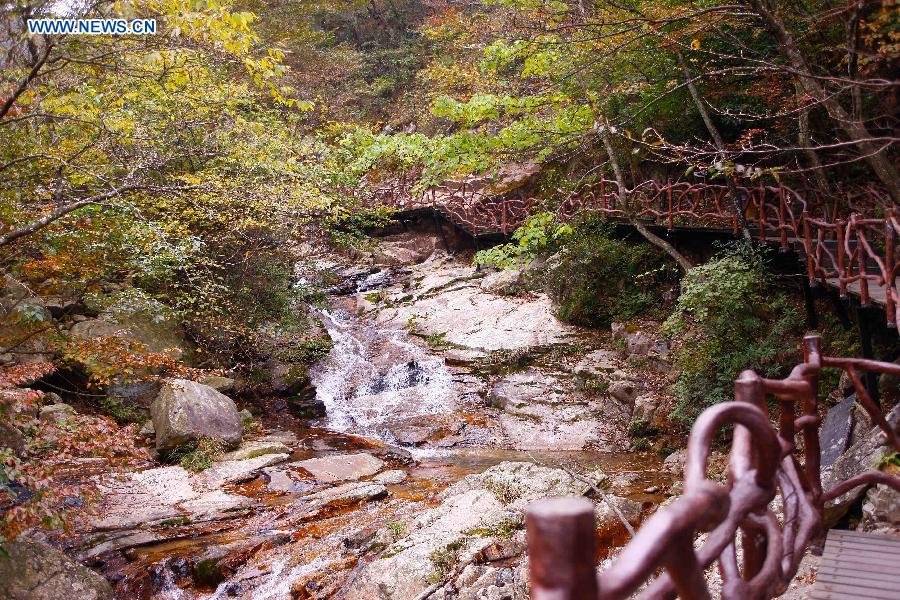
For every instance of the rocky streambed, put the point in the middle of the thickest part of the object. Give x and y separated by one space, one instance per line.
453 398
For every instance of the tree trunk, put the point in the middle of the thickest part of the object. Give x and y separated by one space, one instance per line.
651 237
853 128
718 141
804 140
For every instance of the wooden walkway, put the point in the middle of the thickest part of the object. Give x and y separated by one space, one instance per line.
858 565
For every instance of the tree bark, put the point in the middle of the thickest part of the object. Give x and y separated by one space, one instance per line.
651 237
717 140
804 140
59 213
853 127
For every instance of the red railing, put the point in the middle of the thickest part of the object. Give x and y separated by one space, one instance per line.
854 253
765 461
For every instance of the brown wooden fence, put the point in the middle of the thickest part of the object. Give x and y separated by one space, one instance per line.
766 460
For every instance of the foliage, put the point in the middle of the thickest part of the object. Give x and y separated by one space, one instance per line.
540 234
38 489
729 318
202 455
444 560
597 278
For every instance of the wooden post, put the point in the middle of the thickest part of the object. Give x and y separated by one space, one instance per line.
807 247
669 194
842 260
562 549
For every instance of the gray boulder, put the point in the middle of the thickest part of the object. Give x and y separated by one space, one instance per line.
33 570
11 437
863 455
220 384
185 411
158 335
599 363
342 467
881 509
55 412
624 391
645 408
503 283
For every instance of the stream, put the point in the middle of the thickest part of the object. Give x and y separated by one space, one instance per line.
388 395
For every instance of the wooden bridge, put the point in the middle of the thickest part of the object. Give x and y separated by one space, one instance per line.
854 253
665 559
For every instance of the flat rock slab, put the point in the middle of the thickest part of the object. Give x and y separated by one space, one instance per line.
346 494
172 492
342 467
253 449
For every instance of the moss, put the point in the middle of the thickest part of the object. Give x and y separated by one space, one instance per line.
505 491
641 444
176 522
203 454
121 412
444 560
504 529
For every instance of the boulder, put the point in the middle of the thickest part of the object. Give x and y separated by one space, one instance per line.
863 455
599 363
55 412
834 437
33 570
625 391
344 495
342 467
307 405
881 509
220 384
674 463
158 335
147 431
11 437
503 283
608 509
289 380
185 411
408 248
390 477
473 522
645 408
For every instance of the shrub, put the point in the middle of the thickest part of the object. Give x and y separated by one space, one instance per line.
203 455
599 279
540 234
729 318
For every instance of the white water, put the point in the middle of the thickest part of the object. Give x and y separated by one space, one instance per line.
375 376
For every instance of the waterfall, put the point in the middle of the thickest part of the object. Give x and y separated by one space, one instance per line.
375 376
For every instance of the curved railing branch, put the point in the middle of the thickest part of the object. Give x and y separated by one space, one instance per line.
763 463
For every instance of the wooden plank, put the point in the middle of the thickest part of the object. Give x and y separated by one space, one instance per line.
871 537
858 565
833 570
854 589
852 544
863 582
871 558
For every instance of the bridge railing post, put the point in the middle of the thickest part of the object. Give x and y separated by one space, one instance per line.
562 549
